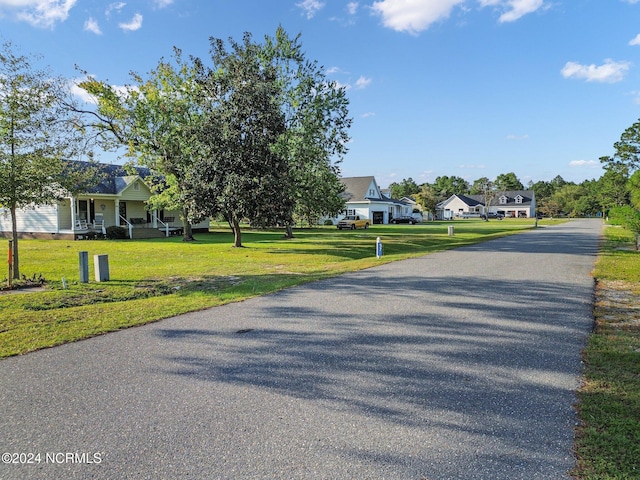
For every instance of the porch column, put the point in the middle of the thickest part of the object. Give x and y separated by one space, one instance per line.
117 206
72 206
155 219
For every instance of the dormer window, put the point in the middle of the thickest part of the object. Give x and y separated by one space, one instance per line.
518 198
503 200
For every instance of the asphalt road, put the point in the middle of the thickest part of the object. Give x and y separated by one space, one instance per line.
457 365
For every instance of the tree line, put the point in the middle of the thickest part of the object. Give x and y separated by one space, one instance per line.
613 190
255 132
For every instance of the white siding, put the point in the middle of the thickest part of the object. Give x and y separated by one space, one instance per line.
42 219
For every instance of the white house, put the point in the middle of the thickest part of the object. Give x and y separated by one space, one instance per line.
363 197
513 203
118 199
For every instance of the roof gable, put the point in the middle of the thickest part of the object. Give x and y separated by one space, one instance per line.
359 189
114 179
469 200
514 197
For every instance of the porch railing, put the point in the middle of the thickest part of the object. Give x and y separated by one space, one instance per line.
166 226
129 225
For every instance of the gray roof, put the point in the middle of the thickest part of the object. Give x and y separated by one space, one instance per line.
111 179
527 198
356 188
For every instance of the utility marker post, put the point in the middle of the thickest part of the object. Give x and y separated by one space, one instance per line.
83 263
378 248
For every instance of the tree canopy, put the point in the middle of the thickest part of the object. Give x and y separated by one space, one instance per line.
257 135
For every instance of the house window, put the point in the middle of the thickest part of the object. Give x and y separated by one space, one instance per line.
503 200
519 199
136 186
351 211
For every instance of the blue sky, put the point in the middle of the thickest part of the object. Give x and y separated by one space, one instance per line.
470 88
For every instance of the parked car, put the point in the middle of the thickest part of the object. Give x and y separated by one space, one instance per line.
404 219
498 216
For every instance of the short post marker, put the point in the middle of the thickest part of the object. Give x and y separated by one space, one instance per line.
378 247
83 261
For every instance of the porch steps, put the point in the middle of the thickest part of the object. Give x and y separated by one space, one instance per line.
140 233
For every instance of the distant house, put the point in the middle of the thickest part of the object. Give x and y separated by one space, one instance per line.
514 203
363 197
119 198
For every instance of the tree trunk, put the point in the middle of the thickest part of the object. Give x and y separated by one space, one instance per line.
187 234
237 234
288 231
14 229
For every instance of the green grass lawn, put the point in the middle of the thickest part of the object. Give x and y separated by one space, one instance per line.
155 279
608 440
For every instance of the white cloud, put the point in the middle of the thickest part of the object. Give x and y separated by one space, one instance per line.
310 7
39 13
133 25
413 16
584 163
367 115
91 25
363 82
333 70
352 7
515 9
163 3
517 137
636 40
609 72
114 7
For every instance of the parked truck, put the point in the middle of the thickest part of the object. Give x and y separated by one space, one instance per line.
351 222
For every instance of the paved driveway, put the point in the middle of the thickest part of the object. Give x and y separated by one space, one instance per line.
457 365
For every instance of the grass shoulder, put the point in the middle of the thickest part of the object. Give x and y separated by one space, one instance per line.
608 438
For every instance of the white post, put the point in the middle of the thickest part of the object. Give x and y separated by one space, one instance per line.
72 205
378 247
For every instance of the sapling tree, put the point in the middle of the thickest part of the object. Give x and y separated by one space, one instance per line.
38 135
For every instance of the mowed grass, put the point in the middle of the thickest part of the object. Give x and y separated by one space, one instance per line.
608 440
159 278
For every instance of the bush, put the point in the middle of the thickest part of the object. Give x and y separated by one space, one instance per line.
117 233
626 216
328 222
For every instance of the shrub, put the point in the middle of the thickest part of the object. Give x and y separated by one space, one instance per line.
328 222
627 216
117 233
